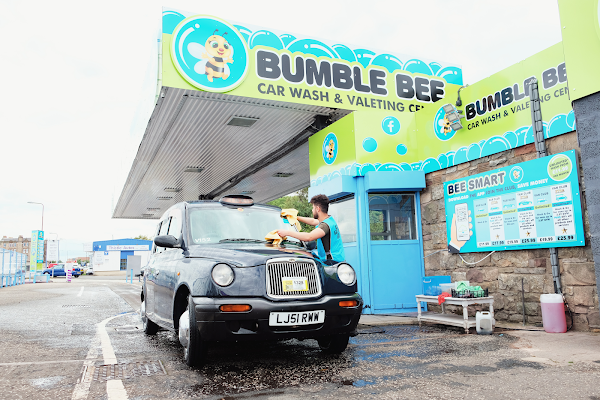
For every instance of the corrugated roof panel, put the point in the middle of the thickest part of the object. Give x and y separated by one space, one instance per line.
189 129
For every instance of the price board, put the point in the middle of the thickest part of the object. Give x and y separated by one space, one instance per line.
534 204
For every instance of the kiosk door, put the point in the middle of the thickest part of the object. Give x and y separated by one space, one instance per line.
395 252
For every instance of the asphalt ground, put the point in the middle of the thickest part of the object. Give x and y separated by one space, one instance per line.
83 340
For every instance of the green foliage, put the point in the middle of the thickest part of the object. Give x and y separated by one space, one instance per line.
299 201
142 237
376 222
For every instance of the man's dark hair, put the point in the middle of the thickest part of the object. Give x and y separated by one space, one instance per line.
321 201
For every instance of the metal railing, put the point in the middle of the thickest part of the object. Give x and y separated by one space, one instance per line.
13 269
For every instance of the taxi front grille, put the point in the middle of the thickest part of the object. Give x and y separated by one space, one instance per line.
277 269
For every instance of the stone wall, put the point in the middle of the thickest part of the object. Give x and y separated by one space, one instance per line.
504 272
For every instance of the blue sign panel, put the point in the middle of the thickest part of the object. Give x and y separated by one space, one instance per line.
534 204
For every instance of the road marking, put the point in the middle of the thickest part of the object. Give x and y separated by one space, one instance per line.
115 391
81 291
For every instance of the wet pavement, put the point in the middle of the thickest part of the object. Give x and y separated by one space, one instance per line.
83 340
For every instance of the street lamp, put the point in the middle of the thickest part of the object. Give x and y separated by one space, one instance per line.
33 202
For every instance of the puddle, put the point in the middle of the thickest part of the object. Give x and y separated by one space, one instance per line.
46 383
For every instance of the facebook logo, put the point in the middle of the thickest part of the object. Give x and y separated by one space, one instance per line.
390 125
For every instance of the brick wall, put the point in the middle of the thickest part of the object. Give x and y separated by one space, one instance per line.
503 271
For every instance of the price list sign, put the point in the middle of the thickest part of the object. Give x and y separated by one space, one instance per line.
535 204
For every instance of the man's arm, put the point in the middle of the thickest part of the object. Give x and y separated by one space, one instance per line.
317 233
308 220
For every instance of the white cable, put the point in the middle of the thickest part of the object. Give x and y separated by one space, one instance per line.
470 263
435 253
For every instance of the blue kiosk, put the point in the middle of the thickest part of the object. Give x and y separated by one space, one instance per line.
377 208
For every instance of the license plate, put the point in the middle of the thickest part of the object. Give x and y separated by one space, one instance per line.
296 318
294 284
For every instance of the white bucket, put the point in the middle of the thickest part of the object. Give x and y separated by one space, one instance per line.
484 323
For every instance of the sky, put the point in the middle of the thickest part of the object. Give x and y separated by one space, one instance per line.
78 85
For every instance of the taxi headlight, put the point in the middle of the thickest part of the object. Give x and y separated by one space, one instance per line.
346 274
222 274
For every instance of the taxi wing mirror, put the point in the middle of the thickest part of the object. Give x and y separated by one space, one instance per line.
168 241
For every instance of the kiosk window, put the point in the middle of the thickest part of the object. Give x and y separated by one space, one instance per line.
392 216
344 213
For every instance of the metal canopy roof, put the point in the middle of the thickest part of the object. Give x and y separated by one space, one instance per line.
189 130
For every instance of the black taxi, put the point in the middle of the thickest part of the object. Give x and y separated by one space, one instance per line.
212 277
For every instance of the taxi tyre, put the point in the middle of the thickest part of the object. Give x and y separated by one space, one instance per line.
333 344
149 327
195 349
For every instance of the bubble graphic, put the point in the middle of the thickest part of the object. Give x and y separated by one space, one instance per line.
401 149
405 166
474 152
170 20
481 142
390 125
364 56
325 179
319 180
246 33
389 167
571 114
435 67
440 127
494 145
430 165
521 135
265 38
443 160
558 125
334 174
354 169
416 166
460 156
313 182
344 52
286 39
367 168
450 156
451 75
343 171
197 26
512 138
369 144
310 46
417 66
388 61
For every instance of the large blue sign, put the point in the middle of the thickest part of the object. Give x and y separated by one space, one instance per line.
534 204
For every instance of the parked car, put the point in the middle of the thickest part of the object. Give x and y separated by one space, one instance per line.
59 270
212 277
90 271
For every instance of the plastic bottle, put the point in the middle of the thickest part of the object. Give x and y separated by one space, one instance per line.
553 313
484 323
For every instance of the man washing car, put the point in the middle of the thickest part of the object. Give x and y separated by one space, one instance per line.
330 249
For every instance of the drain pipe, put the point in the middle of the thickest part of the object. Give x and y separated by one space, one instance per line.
540 146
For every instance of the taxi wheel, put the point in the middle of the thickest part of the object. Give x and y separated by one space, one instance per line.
194 348
333 344
150 328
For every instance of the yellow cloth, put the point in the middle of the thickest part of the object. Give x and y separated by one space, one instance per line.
291 214
274 238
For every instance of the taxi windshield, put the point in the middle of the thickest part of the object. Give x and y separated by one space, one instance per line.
219 225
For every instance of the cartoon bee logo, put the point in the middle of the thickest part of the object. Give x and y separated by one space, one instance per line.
214 56
446 126
516 173
330 149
